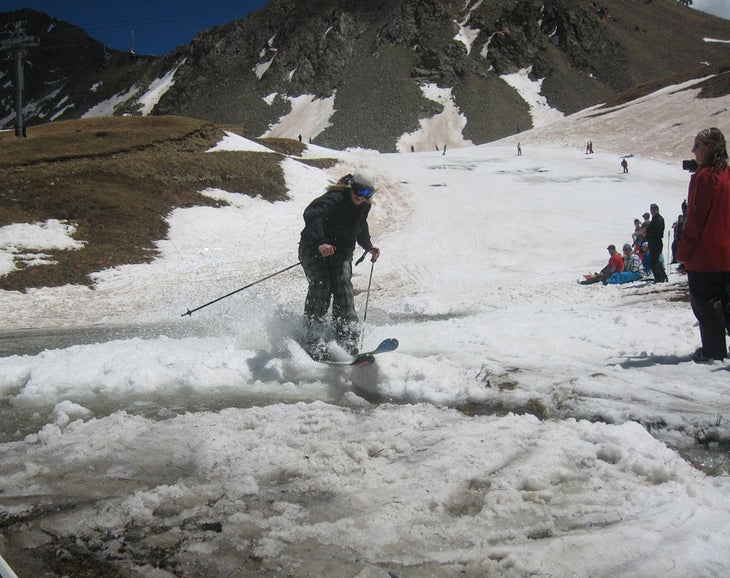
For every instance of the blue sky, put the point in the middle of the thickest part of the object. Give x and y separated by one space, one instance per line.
717 7
160 26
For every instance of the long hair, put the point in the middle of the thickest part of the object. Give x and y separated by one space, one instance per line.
717 158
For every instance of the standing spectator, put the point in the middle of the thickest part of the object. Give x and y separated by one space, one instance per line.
519 150
678 225
639 234
645 223
647 219
625 165
655 237
704 246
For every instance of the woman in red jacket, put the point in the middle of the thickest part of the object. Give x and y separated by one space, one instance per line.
704 247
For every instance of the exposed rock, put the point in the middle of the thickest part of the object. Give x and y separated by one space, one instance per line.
372 57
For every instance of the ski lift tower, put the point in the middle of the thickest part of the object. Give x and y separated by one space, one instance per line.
19 42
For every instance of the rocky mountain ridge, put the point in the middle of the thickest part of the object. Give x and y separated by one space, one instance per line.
367 63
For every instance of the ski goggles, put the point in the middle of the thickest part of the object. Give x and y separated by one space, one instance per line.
361 191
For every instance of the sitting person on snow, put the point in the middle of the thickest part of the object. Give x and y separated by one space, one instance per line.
615 265
632 268
646 259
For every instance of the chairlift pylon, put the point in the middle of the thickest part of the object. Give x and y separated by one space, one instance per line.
132 53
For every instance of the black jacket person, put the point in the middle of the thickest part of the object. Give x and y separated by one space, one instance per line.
655 236
333 223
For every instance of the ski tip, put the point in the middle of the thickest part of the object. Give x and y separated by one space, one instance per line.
390 344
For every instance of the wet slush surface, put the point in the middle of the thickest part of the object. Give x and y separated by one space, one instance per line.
16 422
33 341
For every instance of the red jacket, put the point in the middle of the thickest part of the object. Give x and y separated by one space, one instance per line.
705 242
616 262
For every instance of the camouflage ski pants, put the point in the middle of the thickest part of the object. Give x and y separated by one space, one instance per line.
329 279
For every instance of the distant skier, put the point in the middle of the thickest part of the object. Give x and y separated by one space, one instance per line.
625 165
519 150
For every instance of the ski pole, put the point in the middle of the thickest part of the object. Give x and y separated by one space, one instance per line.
667 261
367 300
189 312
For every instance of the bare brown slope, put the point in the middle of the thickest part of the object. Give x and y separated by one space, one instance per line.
117 179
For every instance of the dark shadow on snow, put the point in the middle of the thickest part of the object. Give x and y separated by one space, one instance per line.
651 360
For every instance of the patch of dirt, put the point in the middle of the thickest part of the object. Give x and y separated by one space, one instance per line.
117 179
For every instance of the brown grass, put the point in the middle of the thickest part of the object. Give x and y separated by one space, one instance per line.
117 179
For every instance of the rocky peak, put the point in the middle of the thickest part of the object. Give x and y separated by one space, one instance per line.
372 59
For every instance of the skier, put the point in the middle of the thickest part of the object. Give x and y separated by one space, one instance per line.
332 225
625 165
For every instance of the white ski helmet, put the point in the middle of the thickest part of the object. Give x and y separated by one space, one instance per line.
363 183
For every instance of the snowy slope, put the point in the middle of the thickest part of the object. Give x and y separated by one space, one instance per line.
527 426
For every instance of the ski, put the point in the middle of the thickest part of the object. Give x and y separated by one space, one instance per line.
390 344
368 357
358 361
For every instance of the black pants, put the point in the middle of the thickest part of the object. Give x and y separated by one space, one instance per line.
657 269
330 280
710 299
